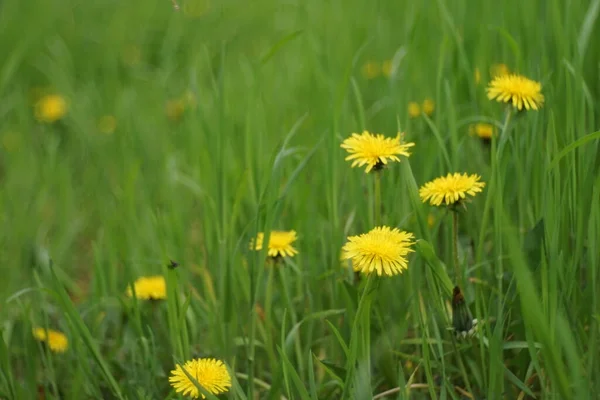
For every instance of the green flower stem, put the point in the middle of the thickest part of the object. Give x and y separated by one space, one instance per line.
377 201
360 336
457 271
493 182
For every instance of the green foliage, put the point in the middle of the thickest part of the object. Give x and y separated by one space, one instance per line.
229 120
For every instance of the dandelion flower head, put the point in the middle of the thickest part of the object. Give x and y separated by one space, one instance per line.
387 68
280 243
50 108
482 130
374 151
518 90
57 341
381 251
371 70
451 188
414 109
149 288
428 106
211 374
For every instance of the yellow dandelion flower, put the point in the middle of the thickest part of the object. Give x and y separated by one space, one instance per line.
175 108
374 151
477 76
149 288
211 374
451 188
50 108
387 68
482 130
371 70
499 70
280 243
382 251
428 106
57 341
414 109
519 90
107 124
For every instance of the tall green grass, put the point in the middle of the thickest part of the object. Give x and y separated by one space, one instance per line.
277 87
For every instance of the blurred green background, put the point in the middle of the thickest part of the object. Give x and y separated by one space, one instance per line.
187 131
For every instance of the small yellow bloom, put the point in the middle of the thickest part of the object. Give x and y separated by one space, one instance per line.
280 243
414 109
57 341
482 130
451 188
107 124
50 108
477 76
499 70
149 288
371 70
175 108
374 151
382 251
428 106
211 374
387 68
518 90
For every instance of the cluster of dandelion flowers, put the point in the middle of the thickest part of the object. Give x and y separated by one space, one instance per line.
451 189
374 151
50 108
57 341
211 374
149 288
280 243
381 251
518 90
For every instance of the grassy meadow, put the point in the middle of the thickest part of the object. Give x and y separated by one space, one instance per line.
174 133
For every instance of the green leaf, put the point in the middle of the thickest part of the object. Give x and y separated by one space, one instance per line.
437 267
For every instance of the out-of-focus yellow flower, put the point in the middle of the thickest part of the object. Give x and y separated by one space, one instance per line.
387 68
175 109
51 108
428 106
497 70
149 288
482 130
107 124
57 341
371 70
414 109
